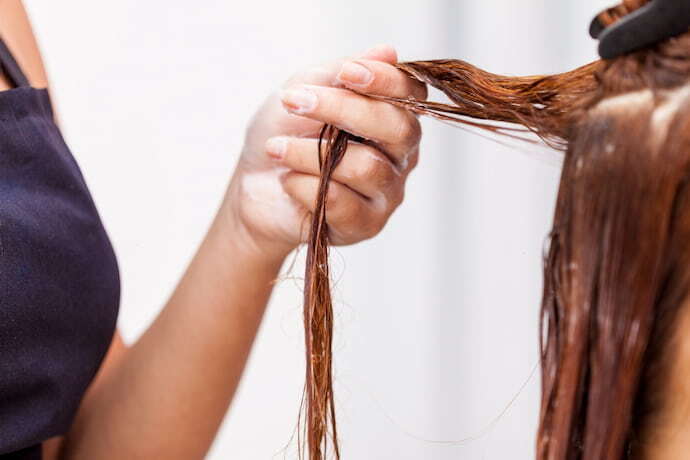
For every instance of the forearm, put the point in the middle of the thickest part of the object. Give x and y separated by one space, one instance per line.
168 396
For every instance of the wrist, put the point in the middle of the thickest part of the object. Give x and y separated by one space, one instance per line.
243 242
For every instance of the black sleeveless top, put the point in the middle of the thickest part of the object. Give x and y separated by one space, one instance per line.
59 280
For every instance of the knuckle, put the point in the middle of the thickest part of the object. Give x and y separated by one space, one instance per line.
413 160
385 177
334 197
373 225
377 171
401 196
397 196
343 212
385 84
409 130
369 170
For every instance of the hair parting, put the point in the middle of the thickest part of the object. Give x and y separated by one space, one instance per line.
615 272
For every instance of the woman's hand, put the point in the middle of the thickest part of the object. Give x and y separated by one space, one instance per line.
274 187
200 342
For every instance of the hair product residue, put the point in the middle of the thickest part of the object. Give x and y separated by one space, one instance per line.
616 271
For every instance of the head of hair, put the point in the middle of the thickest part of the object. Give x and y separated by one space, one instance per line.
617 269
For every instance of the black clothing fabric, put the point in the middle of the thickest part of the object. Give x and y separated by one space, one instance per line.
59 278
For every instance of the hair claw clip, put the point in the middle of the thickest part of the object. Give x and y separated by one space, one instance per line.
651 24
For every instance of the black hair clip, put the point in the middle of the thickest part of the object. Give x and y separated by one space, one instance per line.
651 24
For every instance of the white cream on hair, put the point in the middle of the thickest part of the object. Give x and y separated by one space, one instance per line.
626 101
667 105
666 111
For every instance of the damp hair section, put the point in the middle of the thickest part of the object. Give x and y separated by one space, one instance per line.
616 269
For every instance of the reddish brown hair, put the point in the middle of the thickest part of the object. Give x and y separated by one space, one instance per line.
616 271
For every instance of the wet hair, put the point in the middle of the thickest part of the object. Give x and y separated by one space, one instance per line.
617 269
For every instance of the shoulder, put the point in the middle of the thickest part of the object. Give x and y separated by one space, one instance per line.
16 31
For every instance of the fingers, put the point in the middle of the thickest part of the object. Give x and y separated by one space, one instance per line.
380 79
350 216
383 53
326 75
397 131
363 168
371 73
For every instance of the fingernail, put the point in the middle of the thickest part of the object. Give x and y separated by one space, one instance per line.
276 147
355 74
299 101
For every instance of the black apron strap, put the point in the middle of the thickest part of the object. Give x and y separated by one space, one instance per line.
10 67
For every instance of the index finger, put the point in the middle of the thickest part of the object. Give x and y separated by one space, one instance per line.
380 79
325 75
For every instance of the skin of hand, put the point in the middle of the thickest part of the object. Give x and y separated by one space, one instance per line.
274 187
180 376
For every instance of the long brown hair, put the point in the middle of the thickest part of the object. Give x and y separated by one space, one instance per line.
618 266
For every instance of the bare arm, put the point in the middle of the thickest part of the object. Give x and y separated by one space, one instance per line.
197 347
116 352
166 395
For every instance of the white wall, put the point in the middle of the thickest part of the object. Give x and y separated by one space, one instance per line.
437 317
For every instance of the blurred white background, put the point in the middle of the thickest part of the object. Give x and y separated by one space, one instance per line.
437 317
